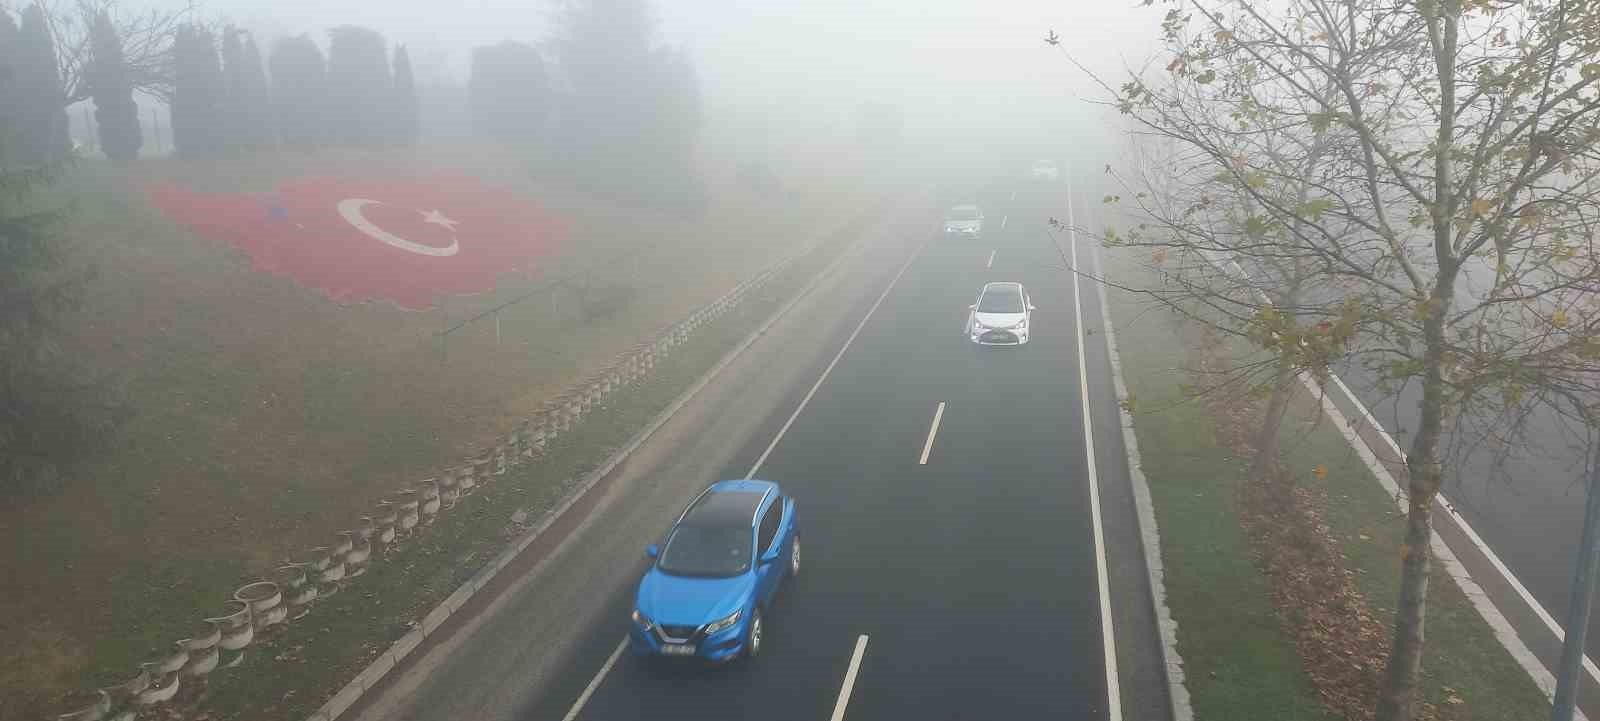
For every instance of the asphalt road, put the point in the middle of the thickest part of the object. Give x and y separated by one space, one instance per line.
961 563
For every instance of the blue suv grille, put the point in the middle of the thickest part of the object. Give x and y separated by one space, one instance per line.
679 633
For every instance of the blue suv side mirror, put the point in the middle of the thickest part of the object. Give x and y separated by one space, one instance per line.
652 550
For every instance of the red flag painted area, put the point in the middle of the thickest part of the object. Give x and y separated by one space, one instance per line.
407 241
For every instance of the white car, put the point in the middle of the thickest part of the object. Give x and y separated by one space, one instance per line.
1001 315
965 221
1045 170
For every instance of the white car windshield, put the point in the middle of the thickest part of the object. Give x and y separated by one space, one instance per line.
1001 299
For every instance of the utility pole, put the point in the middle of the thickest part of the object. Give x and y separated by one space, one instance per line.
1582 597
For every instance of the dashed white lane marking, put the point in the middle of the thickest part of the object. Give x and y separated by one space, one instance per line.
849 679
990 264
831 364
583 698
1108 641
932 431
1013 195
1003 220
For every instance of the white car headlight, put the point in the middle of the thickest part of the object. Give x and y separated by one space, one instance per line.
642 620
724 623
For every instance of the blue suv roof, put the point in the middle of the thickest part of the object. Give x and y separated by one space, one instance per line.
728 503
745 485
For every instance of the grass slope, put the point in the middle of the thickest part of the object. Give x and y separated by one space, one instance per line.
269 418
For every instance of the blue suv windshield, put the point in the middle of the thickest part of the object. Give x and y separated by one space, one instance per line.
715 551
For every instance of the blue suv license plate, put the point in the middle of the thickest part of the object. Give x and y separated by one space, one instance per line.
678 649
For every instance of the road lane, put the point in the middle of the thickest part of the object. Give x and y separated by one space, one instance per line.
974 574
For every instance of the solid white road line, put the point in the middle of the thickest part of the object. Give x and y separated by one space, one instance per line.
1108 641
1003 220
849 679
932 431
583 698
990 264
832 363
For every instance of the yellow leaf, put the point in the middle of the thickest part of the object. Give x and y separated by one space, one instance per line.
1481 207
1405 551
1320 471
1224 36
1559 318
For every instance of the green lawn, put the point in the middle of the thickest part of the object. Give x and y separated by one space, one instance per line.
1241 662
1462 659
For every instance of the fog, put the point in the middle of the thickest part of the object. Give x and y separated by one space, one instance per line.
974 79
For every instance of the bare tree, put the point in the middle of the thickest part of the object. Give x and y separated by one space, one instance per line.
146 44
1448 220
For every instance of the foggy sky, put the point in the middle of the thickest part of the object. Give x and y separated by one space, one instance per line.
963 71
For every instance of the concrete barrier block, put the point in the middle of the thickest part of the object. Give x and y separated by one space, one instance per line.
342 701
435 618
460 598
374 672
405 645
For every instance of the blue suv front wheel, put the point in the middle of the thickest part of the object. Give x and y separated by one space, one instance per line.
758 629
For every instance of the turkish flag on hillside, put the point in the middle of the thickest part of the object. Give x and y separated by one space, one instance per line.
407 241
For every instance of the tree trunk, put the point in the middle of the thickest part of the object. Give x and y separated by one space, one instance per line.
1425 473
1265 460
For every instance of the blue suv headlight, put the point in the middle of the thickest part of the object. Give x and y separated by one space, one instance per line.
724 623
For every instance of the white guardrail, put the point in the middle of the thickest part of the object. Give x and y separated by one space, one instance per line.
290 592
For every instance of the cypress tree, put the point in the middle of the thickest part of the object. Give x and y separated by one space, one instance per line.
10 98
233 132
115 113
405 92
300 92
359 86
257 98
508 93
198 89
42 111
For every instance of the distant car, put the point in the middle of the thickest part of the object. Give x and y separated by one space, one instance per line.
711 583
964 221
1001 315
1045 170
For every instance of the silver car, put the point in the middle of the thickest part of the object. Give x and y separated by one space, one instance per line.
1001 315
965 221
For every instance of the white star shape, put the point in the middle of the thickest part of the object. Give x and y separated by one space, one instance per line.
437 218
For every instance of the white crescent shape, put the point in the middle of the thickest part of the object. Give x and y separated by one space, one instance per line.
350 210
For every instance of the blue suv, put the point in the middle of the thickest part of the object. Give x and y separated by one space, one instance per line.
716 574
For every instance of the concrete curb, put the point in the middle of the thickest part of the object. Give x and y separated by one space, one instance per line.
1149 534
386 662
